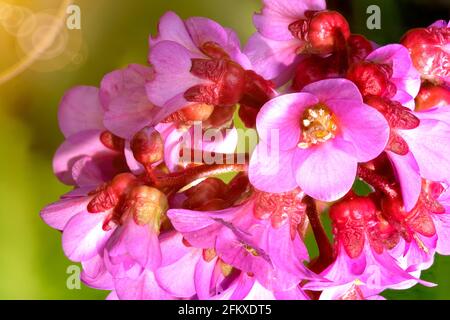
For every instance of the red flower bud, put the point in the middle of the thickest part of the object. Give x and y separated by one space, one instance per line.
429 51
431 96
372 79
147 146
326 31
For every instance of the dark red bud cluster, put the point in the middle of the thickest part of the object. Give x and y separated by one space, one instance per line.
357 220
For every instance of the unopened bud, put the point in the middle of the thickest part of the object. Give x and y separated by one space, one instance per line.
372 79
147 146
147 205
326 29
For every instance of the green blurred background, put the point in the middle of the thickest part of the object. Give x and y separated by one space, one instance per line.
113 34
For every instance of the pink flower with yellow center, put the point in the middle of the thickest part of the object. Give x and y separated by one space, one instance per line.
319 135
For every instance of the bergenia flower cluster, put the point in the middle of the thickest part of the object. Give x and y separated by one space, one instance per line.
151 217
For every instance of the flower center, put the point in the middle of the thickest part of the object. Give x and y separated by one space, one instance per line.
318 125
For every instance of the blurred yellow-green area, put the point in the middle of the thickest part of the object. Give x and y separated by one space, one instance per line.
113 34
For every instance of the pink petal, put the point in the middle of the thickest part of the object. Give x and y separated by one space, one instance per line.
200 228
144 287
80 110
332 91
279 120
172 28
364 127
135 167
405 76
176 274
86 143
328 171
203 277
442 224
273 60
203 30
276 16
57 214
288 254
86 172
172 64
83 236
125 100
430 145
407 172
95 274
268 165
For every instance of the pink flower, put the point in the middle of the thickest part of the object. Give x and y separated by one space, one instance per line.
199 63
258 237
321 140
274 49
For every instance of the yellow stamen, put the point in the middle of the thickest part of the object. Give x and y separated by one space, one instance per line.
318 126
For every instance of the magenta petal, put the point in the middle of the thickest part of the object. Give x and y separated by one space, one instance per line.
172 28
441 113
200 228
80 110
276 16
332 91
84 237
95 274
442 224
176 274
407 172
172 64
430 145
269 165
57 214
112 296
203 30
141 243
364 127
326 172
405 77
86 143
134 166
86 172
278 122
144 287
273 60
127 108
286 253
203 277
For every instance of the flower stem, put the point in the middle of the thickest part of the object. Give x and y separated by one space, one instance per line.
325 248
178 180
377 181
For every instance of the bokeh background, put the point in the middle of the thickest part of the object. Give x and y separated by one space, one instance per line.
112 34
